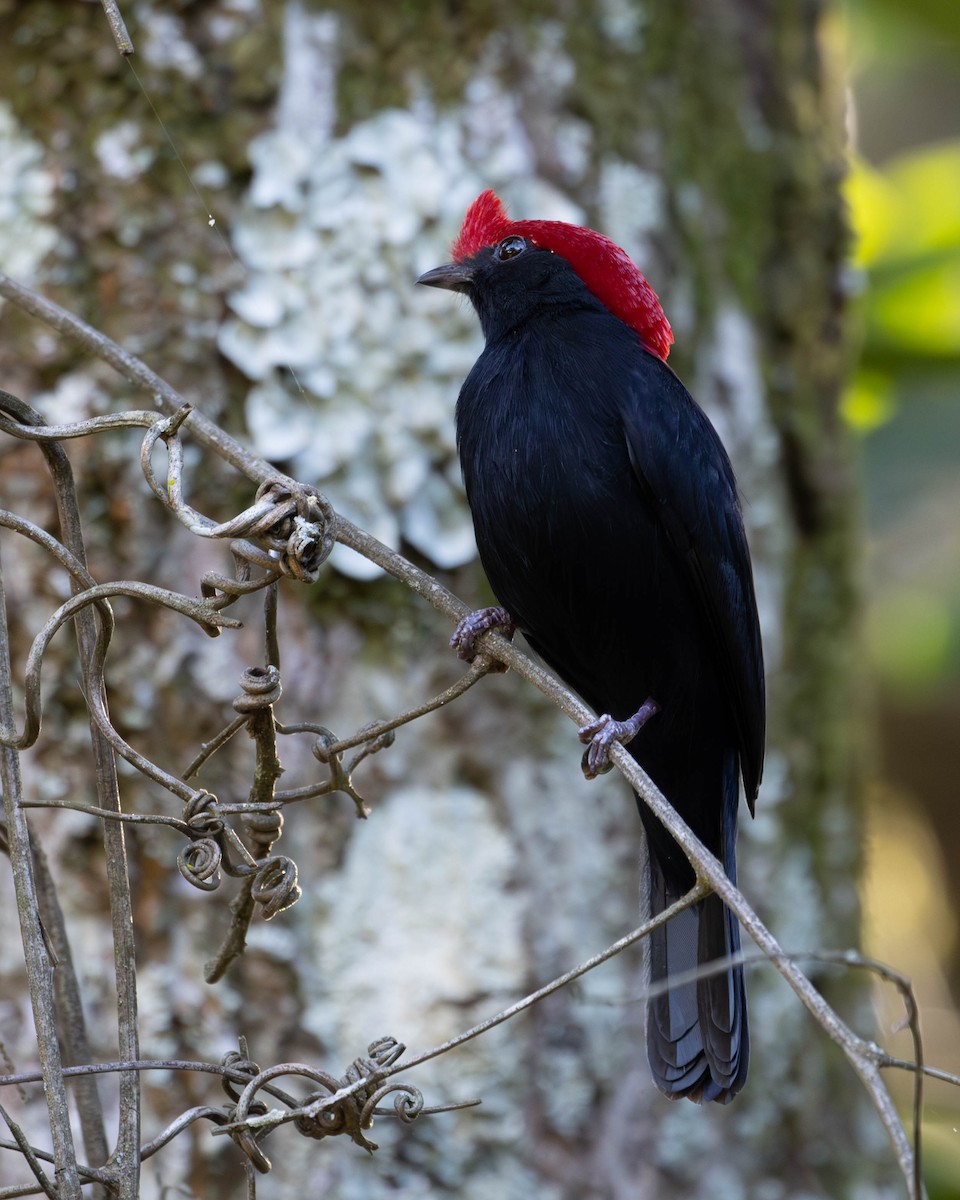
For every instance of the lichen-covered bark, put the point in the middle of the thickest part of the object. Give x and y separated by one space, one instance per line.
336 146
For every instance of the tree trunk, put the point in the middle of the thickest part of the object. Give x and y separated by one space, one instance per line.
705 138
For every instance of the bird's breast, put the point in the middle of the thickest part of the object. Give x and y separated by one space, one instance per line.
549 482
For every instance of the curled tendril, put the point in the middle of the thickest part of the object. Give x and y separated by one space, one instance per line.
408 1104
275 885
331 1122
199 864
202 815
321 747
355 1113
306 551
386 1051
238 1064
291 525
264 826
301 532
327 1112
222 591
261 688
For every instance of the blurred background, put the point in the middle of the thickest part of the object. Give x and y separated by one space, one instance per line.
904 403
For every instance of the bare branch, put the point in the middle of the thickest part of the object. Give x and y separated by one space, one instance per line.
76 1047
275 888
35 953
376 729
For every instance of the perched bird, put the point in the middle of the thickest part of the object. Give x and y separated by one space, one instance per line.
609 525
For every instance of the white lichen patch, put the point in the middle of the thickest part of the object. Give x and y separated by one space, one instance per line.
420 920
120 151
622 22
166 45
356 370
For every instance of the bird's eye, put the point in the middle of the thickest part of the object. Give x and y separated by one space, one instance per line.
510 247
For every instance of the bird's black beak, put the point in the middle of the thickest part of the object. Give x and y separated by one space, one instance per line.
456 277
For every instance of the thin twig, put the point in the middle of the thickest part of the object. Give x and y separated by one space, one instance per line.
117 27
208 618
134 419
107 814
707 866
853 958
846 959
376 729
261 690
91 642
72 1022
35 955
904 1064
145 1064
208 749
690 898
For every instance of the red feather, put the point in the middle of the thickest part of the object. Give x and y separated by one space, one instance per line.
606 269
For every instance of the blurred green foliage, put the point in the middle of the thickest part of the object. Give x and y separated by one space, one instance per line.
906 220
903 398
904 196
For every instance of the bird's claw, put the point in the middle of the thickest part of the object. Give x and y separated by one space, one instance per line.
464 639
599 736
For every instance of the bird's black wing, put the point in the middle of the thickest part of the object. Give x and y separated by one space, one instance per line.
684 470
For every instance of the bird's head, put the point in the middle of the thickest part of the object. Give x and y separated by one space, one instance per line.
511 264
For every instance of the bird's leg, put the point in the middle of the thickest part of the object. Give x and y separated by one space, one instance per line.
464 639
604 731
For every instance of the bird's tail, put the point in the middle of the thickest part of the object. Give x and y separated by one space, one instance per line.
697 1038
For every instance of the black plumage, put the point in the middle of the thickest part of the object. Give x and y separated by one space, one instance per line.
609 526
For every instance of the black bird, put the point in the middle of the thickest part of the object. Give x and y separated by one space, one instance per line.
609 525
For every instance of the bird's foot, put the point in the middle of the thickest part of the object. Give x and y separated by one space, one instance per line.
604 731
464 639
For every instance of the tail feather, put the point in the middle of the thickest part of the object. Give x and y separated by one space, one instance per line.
698 1043
697 1038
